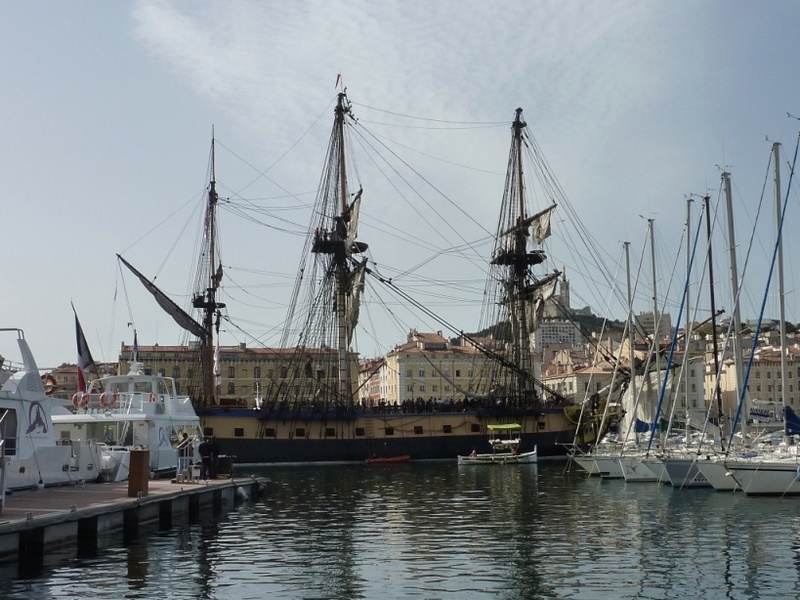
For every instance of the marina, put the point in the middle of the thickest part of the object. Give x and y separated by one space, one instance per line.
437 530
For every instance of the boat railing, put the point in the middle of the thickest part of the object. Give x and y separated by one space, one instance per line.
119 403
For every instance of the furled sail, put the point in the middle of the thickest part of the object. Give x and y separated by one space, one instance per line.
536 296
352 225
353 298
540 225
180 316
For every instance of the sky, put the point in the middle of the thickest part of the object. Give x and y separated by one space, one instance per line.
108 110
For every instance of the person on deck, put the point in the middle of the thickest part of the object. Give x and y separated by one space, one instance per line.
185 454
204 449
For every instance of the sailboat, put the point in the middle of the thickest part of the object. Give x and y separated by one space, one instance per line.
308 410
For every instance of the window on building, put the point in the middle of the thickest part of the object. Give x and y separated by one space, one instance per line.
422 372
389 431
257 372
417 429
433 388
447 429
238 432
231 387
269 432
270 373
409 373
458 372
162 372
300 432
769 375
446 388
422 387
176 372
758 374
469 373
284 372
409 388
330 432
231 373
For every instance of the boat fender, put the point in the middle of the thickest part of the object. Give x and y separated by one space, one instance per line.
107 399
242 493
151 397
80 400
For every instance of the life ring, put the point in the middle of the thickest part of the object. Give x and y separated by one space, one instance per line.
107 399
50 384
80 400
151 397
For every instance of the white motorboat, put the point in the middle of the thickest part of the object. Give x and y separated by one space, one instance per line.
33 455
504 440
126 412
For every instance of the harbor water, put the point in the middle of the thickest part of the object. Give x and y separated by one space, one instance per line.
437 530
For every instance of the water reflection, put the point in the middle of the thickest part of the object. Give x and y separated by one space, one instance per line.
435 530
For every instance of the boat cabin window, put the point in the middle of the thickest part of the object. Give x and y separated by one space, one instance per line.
162 386
8 429
142 387
118 387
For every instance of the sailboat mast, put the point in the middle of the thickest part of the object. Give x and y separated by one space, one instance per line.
736 316
631 321
688 326
782 316
656 314
717 387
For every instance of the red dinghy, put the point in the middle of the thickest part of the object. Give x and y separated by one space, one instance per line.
378 460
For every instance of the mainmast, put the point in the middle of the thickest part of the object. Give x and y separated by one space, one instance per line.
339 244
523 296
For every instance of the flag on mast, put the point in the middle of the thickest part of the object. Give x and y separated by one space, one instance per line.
85 359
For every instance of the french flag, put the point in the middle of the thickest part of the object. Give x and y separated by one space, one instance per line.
85 359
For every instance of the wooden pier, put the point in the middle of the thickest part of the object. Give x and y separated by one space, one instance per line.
36 523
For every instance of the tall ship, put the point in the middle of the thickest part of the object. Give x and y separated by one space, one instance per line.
313 408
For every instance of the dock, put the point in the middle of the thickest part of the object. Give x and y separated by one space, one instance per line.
79 518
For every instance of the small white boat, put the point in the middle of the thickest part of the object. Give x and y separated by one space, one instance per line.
126 412
504 441
33 456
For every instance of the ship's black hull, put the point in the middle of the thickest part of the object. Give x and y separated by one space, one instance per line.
422 437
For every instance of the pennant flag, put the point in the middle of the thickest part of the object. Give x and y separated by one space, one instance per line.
135 347
85 359
338 80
